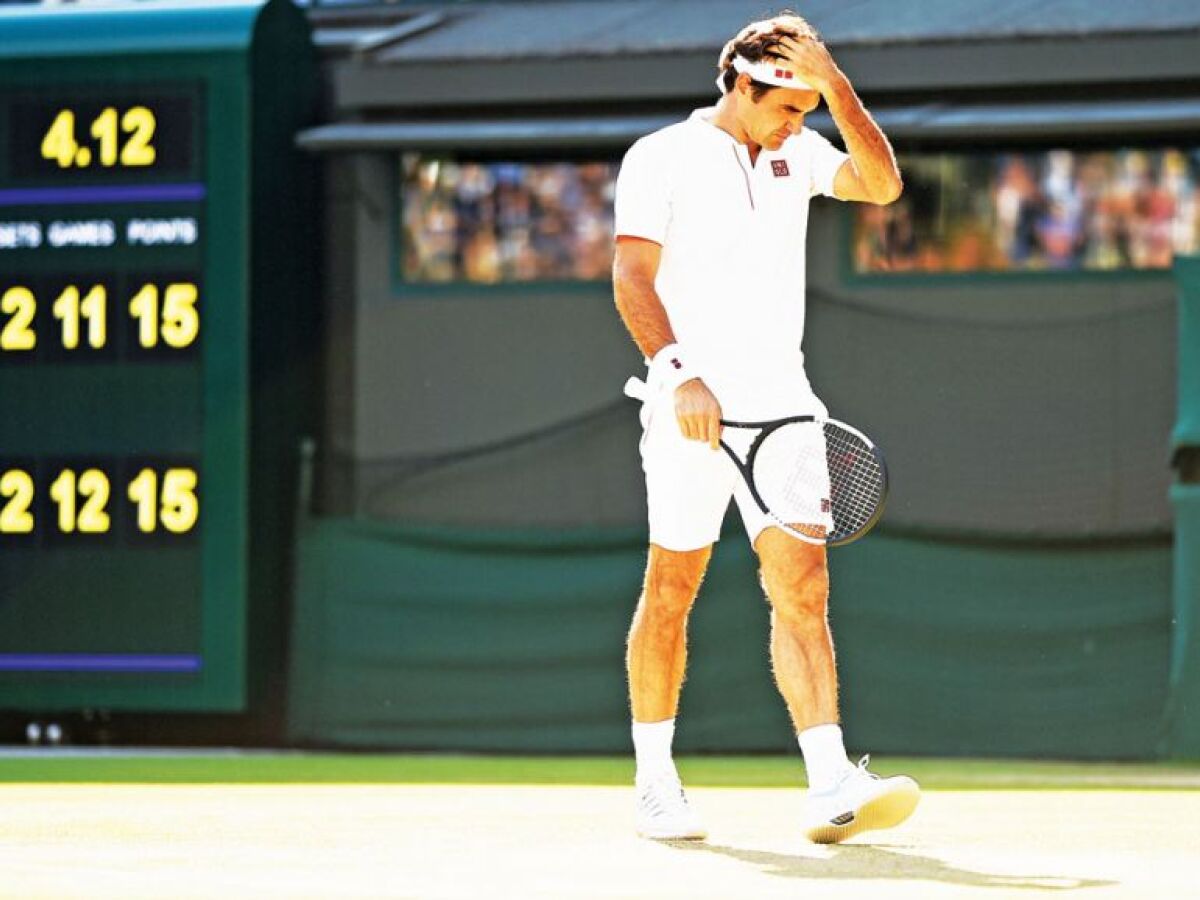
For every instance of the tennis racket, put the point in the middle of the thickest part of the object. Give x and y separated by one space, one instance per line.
820 480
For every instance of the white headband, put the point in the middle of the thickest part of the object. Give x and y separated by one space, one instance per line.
765 71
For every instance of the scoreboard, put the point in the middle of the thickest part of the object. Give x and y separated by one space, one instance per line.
151 361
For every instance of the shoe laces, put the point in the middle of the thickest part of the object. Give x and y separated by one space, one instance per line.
663 797
861 770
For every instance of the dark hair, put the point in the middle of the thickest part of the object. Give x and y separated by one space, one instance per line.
757 41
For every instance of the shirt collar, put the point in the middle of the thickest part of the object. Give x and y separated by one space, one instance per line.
701 118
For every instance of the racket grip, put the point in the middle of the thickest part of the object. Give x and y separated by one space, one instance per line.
637 389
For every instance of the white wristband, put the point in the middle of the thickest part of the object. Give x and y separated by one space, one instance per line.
669 368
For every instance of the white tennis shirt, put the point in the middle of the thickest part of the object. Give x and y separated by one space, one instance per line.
733 261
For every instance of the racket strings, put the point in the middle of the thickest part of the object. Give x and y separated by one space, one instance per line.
856 480
818 474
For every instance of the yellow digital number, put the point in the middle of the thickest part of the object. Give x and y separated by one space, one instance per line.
144 308
138 123
16 487
177 509
59 143
18 334
180 506
143 491
62 492
138 151
104 129
66 309
93 486
69 309
180 320
95 309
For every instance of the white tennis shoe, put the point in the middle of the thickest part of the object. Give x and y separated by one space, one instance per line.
663 813
859 802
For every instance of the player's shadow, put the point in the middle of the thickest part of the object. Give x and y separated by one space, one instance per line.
861 861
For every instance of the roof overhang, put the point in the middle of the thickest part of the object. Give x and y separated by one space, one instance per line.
935 122
364 82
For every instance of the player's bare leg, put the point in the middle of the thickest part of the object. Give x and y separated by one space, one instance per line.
656 660
843 799
796 579
657 649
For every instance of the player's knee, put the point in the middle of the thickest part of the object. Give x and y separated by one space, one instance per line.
800 591
672 581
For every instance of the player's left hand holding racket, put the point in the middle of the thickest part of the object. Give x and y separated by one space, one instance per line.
820 480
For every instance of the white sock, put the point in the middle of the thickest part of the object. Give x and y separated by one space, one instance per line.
824 756
652 749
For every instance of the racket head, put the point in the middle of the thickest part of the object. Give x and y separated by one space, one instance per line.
861 493
820 480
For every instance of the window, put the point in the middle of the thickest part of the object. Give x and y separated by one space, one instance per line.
1056 210
492 222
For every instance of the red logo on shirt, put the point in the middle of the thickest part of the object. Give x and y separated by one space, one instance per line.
779 167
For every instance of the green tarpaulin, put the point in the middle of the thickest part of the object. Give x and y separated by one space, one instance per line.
500 641
1183 715
1187 422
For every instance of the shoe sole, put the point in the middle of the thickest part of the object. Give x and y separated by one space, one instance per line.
677 836
886 811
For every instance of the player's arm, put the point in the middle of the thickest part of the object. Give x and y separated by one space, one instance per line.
635 267
871 173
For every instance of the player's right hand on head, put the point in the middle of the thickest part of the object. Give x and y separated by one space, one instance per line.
698 413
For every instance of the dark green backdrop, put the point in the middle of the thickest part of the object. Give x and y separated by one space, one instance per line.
438 639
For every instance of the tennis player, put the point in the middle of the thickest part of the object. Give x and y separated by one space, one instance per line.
711 217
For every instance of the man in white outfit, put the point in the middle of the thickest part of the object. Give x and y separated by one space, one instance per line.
711 218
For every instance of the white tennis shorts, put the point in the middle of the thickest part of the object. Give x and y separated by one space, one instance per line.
689 485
